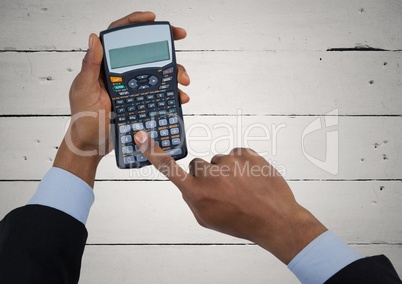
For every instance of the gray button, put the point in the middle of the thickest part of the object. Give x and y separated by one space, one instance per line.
153 134
168 71
151 105
174 152
132 83
161 104
167 79
124 128
173 120
163 122
120 110
139 98
174 131
171 102
143 87
131 108
141 158
127 149
150 124
142 115
170 94
142 77
129 160
124 93
126 139
150 97
165 143
141 107
119 102
137 126
163 87
176 141
130 100
164 132
160 95
153 80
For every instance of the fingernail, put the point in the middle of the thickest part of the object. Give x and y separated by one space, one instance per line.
90 41
141 137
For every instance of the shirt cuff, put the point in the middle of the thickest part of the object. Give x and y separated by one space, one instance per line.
322 258
66 192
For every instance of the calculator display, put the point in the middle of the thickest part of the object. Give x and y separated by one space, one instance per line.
139 54
141 79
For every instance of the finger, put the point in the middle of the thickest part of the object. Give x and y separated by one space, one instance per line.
217 159
91 64
162 161
199 167
184 98
135 17
179 33
182 76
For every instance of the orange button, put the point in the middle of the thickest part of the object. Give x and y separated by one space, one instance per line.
116 79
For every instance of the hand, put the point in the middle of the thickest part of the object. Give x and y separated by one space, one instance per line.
242 195
89 102
88 137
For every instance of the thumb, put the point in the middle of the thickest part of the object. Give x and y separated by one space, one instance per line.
162 161
92 62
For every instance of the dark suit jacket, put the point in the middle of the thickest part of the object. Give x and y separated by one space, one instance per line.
43 245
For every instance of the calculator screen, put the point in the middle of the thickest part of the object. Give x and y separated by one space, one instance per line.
139 54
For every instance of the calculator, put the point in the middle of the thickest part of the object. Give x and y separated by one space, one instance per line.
141 79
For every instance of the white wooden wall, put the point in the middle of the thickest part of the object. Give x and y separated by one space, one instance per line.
259 61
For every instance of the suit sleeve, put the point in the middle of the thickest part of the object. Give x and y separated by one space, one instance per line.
376 269
40 244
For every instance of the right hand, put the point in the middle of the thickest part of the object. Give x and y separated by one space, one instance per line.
242 195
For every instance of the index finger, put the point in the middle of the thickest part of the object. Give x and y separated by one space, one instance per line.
162 161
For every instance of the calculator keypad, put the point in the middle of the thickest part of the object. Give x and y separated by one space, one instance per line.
153 111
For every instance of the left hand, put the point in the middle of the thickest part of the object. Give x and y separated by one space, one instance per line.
89 130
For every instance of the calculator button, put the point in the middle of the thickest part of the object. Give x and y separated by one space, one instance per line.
153 80
132 83
142 115
162 112
130 100
131 108
170 94
162 122
174 152
153 114
116 79
171 102
132 117
150 97
160 95
127 149
139 98
161 104
124 93
119 102
168 71
120 110
126 139
172 110
150 124
143 87
141 158
121 118
164 132
165 143
176 141
174 131
153 134
124 128
141 107
140 77
129 160
119 87
151 105
137 126
173 120
163 87
167 79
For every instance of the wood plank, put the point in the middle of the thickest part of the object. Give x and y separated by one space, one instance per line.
196 264
278 83
262 25
369 147
138 212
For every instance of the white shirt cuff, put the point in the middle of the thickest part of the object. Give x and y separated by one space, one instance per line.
66 192
322 258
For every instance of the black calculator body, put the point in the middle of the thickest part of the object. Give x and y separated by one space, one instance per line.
141 78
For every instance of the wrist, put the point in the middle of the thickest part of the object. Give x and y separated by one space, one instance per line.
293 233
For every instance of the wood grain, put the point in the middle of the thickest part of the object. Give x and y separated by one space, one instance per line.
212 25
263 83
